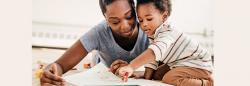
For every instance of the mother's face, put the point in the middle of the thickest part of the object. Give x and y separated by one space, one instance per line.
120 18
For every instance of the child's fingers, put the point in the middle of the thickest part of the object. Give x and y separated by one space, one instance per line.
121 71
125 77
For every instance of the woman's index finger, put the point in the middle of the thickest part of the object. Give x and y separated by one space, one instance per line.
54 69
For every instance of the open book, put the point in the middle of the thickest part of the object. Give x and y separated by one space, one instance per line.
99 75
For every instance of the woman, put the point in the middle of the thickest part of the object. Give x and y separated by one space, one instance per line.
118 40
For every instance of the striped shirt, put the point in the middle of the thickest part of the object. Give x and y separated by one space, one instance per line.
175 48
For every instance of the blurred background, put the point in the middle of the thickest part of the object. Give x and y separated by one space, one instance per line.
57 24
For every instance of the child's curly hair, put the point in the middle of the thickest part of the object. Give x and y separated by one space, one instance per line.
161 5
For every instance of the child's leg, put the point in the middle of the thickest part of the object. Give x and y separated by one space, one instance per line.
188 76
148 73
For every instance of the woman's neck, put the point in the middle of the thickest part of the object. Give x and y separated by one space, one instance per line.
127 43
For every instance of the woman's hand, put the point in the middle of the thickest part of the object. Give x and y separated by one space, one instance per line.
117 64
52 76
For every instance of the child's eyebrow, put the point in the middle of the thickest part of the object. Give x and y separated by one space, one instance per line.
148 15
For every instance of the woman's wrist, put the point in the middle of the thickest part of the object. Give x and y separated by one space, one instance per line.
58 67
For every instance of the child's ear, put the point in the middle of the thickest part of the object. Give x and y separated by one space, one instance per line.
164 16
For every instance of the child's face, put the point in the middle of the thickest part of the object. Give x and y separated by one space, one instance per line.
149 17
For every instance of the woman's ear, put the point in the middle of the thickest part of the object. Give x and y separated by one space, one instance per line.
164 16
105 17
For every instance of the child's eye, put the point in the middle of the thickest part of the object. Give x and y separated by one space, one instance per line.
115 23
149 19
140 21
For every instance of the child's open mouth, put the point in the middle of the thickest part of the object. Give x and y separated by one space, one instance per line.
147 31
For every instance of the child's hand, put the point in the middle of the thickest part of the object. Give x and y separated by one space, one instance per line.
126 72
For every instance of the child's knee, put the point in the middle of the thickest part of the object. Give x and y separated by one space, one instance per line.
173 76
177 80
168 78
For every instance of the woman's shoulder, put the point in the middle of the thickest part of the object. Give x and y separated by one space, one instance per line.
101 28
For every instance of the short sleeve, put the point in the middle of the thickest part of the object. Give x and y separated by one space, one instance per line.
90 39
160 45
153 65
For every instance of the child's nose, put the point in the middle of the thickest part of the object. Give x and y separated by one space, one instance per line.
144 24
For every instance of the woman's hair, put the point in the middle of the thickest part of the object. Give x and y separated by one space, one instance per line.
104 3
161 5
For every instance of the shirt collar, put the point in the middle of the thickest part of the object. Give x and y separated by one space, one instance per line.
163 26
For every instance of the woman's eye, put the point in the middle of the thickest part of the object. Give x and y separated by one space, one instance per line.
115 22
129 17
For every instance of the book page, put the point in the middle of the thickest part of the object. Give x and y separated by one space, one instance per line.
99 75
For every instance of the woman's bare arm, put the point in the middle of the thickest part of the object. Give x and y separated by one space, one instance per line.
52 73
72 56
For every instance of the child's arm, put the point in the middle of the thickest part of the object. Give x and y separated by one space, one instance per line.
146 57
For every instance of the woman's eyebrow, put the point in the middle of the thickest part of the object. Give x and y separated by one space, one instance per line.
128 12
113 18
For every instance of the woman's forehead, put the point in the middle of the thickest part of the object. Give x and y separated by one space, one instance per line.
118 8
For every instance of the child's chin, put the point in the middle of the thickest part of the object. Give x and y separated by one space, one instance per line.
149 35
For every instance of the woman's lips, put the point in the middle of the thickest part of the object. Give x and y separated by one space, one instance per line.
127 33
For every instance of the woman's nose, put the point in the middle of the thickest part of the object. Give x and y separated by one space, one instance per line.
125 26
